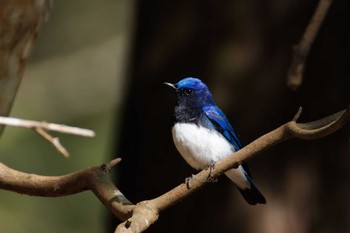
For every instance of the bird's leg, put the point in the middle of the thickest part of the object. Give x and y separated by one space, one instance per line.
188 181
211 168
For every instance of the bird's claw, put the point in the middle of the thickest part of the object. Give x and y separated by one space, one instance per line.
211 168
188 181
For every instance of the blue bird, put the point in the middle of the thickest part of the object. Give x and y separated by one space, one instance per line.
203 135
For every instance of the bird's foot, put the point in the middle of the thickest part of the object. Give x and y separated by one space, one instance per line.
211 168
188 181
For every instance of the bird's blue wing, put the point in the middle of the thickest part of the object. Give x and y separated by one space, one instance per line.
221 124
219 121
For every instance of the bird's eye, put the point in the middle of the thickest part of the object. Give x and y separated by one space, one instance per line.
188 91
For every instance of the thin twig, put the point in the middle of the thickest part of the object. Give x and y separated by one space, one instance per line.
46 126
301 51
53 140
297 115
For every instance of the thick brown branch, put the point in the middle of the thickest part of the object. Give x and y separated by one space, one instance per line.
301 51
310 131
95 179
143 215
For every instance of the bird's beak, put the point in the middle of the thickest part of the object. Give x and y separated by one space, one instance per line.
171 85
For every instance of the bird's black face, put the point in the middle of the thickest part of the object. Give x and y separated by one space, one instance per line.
187 92
192 93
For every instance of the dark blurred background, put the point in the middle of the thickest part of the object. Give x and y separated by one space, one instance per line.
102 65
242 50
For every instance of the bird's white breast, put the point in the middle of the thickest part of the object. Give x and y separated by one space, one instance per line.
200 146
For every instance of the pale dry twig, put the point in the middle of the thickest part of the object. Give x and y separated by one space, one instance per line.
40 128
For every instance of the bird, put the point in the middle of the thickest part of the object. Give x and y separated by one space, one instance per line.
203 135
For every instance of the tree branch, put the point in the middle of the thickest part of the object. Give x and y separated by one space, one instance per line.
40 128
301 51
54 141
95 179
139 217
146 213
47 126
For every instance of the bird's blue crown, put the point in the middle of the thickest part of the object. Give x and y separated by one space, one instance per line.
192 95
191 83
192 92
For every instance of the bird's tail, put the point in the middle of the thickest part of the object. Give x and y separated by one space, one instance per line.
250 192
252 195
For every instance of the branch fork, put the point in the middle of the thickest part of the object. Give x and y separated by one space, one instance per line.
41 127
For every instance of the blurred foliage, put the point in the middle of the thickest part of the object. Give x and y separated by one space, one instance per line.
75 76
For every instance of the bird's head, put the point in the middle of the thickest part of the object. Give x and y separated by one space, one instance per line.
192 92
